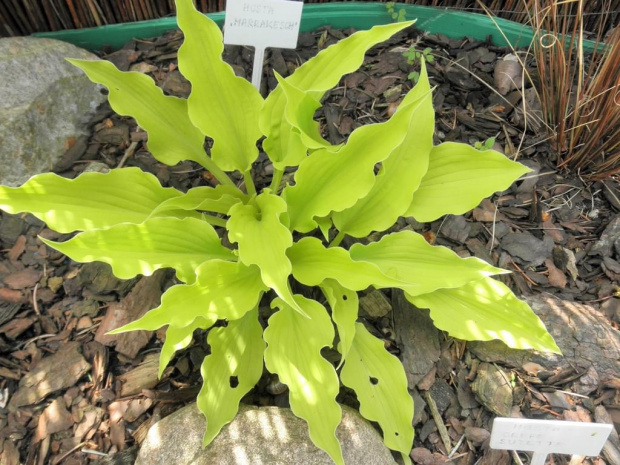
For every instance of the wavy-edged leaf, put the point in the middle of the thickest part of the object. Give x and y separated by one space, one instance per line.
132 249
171 135
293 351
318 74
313 263
379 381
90 201
233 368
226 290
328 181
458 178
484 310
400 173
222 105
406 256
179 338
218 199
345 306
299 112
263 241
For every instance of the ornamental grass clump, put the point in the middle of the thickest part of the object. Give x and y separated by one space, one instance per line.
127 219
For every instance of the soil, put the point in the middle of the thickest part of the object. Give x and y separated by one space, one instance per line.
80 396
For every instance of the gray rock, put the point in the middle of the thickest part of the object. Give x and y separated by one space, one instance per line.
493 390
45 104
526 249
267 435
417 335
605 245
582 333
375 305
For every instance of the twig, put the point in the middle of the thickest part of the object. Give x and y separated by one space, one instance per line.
456 448
441 427
128 153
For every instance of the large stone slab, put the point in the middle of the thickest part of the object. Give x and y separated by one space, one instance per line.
258 436
45 104
582 333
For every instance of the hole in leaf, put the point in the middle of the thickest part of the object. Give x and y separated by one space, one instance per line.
344 297
234 382
373 381
396 433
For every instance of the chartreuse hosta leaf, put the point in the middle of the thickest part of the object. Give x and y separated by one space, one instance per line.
379 381
226 290
345 305
484 310
90 201
218 199
458 178
313 263
406 256
132 249
328 181
233 368
172 136
318 75
400 173
179 338
293 351
299 112
223 106
263 241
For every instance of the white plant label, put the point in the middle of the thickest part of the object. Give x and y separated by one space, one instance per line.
545 437
261 24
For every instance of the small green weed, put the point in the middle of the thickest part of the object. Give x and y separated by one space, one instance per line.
486 145
397 17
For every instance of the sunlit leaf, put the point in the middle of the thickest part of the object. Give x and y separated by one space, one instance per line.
313 263
223 106
379 381
345 305
407 257
226 290
299 112
92 200
293 352
179 338
318 74
171 135
328 181
458 178
400 173
216 199
233 368
132 249
263 241
484 310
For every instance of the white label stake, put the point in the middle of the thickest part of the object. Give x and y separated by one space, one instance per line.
261 24
544 437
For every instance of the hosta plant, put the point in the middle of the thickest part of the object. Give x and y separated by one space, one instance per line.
279 236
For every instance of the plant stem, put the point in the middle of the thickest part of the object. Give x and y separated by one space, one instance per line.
219 174
337 240
276 180
249 183
215 221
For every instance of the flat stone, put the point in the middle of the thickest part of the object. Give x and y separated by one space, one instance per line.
582 333
266 435
375 304
417 336
527 249
45 102
611 235
493 390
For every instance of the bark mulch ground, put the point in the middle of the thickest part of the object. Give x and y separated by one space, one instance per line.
71 394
